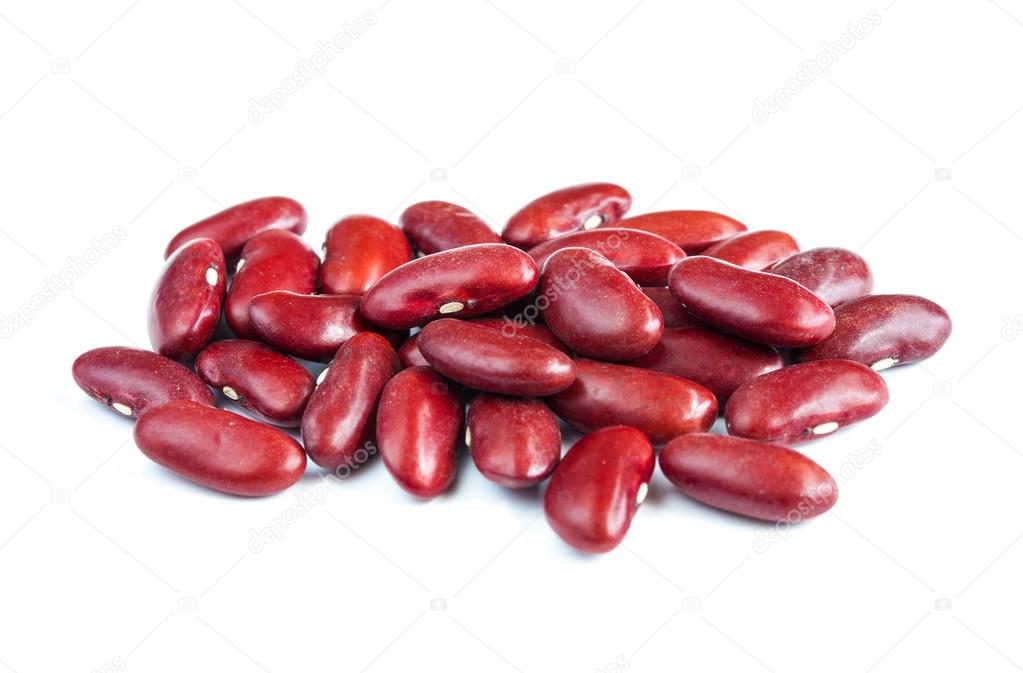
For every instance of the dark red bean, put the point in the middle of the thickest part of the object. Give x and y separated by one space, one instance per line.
762 481
835 275
486 359
185 306
510 327
882 331
661 405
595 309
692 230
131 380
598 487
275 260
219 449
433 226
674 313
466 282
341 416
756 250
566 210
644 257
514 442
418 423
236 226
758 306
805 401
719 362
267 384
358 251
409 354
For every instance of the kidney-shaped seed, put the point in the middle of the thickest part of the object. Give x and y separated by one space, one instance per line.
433 226
756 250
566 210
646 258
805 401
236 226
514 442
131 381
835 275
359 250
754 479
598 487
219 449
691 230
185 305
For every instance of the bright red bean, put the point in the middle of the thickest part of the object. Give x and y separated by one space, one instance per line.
467 281
514 442
660 405
598 487
433 226
510 327
674 313
236 226
884 330
185 305
758 306
358 251
566 210
762 481
418 423
835 275
646 258
756 250
131 381
595 309
805 401
692 230
219 449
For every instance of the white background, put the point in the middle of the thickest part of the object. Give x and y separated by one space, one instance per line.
134 117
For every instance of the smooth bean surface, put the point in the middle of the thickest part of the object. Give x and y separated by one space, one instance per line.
358 251
836 275
672 310
234 227
692 230
433 226
185 305
756 250
514 442
646 258
566 210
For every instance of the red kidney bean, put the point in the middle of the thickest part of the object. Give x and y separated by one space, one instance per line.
236 226
275 260
762 481
598 487
485 359
756 250
805 401
835 275
514 442
433 226
358 251
260 380
672 310
219 449
566 210
409 355
595 309
759 306
418 422
131 381
341 416
692 230
660 405
185 305
882 331
467 281
510 327
719 362
646 258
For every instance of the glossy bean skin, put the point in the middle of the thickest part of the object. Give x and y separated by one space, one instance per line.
463 282
754 479
358 251
660 405
433 226
409 355
234 227
883 330
756 250
595 309
672 310
219 449
758 306
835 275
275 260
341 416
564 211
185 305
805 401
646 258
514 442
598 487
484 358
417 430
719 362
692 230
510 327
131 381
267 384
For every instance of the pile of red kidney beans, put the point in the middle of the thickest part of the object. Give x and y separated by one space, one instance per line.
637 331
